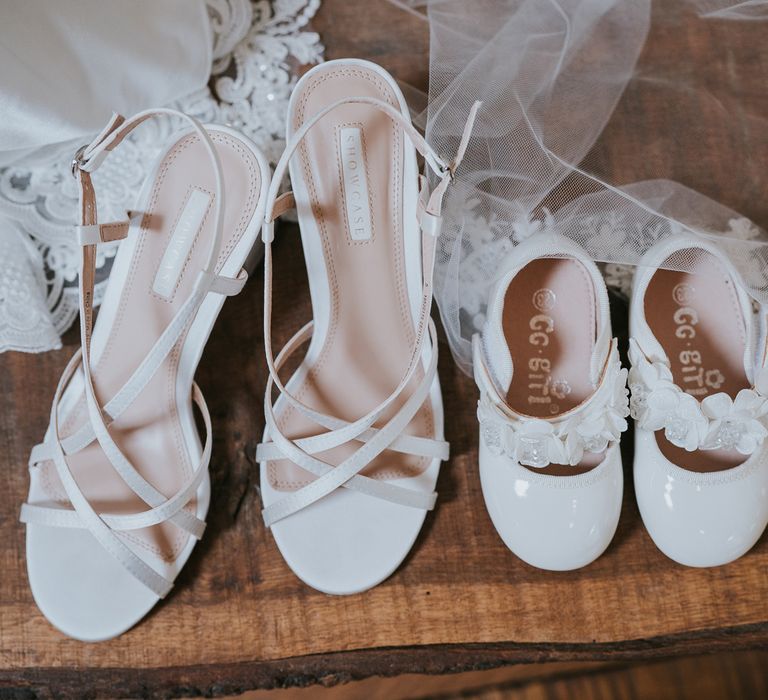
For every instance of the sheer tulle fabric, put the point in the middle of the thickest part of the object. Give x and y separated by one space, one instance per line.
550 74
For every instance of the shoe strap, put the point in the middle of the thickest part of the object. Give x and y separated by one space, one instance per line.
132 563
717 421
444 170
406 444
65 517
537 442
331 477
429 204
152 361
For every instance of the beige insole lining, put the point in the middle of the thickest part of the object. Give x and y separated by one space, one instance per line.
550 327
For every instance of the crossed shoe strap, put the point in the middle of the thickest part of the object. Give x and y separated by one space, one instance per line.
300 452
165 510
141 376
405 443
90 233
376 440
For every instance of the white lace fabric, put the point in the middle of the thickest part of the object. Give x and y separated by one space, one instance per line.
256 43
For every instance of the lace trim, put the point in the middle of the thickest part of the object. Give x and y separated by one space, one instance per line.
486 242
256 44
716 422
536 443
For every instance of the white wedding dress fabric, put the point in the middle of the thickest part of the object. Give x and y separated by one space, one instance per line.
550 74
67 65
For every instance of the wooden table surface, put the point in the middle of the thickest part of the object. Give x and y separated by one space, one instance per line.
239 619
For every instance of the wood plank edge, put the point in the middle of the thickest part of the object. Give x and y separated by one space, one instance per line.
330 669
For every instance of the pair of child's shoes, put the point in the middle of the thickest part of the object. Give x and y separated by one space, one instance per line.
553 404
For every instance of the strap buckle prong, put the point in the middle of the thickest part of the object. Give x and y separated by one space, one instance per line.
449 170
78 161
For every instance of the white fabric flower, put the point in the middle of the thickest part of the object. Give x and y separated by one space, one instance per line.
685 426
537 443
717 422
734 423
589 435
603 424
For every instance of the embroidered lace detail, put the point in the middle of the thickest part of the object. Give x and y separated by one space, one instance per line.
486 241
484 247
25 323
256 43
716 422
537 443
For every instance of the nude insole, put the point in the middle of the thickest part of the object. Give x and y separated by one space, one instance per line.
697 318
549 325
370 335
149 432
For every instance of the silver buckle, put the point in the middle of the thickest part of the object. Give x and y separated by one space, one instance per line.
449 170
78 161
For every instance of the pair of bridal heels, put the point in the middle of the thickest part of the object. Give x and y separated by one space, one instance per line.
352 446
554 404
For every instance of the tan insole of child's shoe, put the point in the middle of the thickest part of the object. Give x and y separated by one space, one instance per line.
549 325
370 332
697 318
149 432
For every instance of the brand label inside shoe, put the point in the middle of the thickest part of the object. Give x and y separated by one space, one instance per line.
544 390
180 244
355 180
697 381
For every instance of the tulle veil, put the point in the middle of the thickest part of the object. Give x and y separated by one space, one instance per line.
550 74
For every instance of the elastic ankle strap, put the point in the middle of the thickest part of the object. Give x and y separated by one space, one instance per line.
276 203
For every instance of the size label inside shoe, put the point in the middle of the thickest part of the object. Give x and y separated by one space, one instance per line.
180 244
355 181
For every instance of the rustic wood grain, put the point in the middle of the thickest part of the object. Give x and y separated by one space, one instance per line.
239 619
737 676
734 675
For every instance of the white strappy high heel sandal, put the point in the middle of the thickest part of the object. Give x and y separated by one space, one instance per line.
345 496
119 488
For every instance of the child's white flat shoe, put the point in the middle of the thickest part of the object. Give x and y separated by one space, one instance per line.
699 385
553 404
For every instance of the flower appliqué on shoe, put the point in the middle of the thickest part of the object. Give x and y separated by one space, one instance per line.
716 422
535 442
